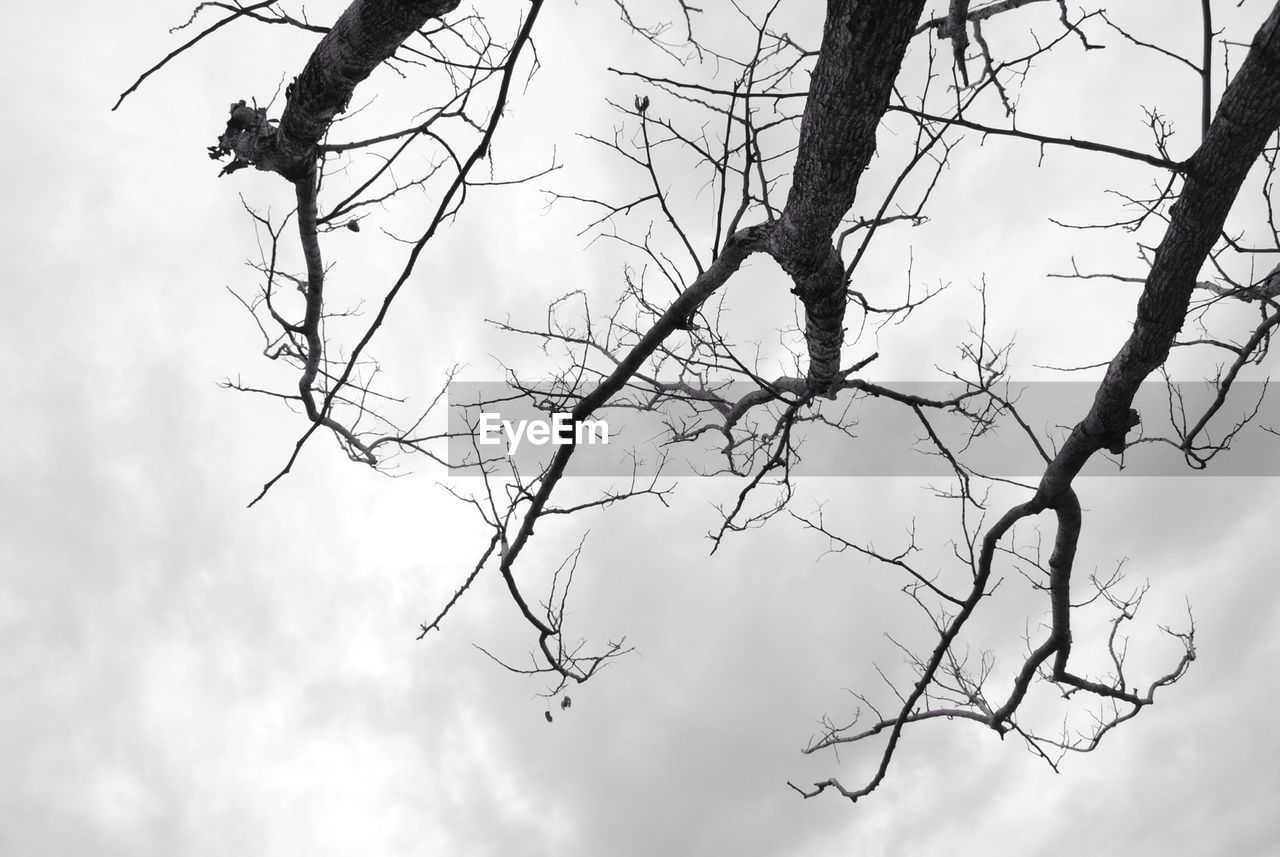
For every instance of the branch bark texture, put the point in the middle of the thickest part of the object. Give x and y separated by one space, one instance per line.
863 44
1247 116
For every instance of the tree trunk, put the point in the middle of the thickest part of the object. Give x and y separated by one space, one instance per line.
863 43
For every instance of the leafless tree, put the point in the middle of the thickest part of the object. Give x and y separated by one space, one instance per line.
777 130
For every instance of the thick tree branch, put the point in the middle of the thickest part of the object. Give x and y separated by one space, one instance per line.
367 34
1247 116
863 43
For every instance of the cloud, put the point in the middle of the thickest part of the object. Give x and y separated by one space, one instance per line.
183 676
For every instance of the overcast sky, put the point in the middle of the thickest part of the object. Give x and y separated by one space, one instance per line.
180 675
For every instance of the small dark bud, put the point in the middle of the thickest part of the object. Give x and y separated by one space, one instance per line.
353 225
565 703
548 716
